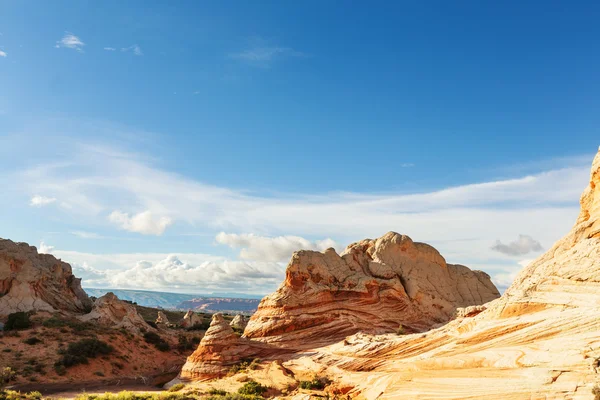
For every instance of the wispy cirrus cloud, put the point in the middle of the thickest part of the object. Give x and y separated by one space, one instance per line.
70 41
110 49
460 221
135 49
260 53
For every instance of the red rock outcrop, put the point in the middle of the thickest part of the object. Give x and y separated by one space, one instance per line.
33 281
373 286
108 310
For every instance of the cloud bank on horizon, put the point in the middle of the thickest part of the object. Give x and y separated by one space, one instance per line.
247 238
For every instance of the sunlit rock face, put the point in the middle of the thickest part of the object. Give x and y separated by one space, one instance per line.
109 311
540 340
32 281
373 286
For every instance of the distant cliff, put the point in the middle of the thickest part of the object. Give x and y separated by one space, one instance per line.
179 301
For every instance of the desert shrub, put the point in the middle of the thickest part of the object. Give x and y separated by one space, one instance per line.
32 340
252 388
254 364
79 352
596 392
60 369
218 392
315 384
202 326
99 373
400 330
157 341
75 325
7 374
176 387
14 395
17 321
152 324
126 395
244 366
184 344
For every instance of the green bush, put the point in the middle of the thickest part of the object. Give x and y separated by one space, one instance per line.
218 392
252 388
400 330
315 384
7 374
79 352
14 395
157 341
17 321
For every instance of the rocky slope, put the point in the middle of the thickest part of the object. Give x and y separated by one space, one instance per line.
373 286
32 281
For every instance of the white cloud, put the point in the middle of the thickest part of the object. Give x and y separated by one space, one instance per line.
261 248
86 235
70 41
135 49
110 49
185 272
523 245
407 165
461 221
261 54
41 201
3 53
143 222
45 249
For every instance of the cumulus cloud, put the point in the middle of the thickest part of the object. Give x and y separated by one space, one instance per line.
45 249
41 201
144 222
3 53
523 245
135 49
70 41
186 272
262 248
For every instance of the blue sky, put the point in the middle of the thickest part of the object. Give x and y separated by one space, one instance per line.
192 146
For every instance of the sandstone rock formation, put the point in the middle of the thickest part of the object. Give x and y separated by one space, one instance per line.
190 319
373 286
239 322
221 348
162 319
218 350
33 281
540 340
108 310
